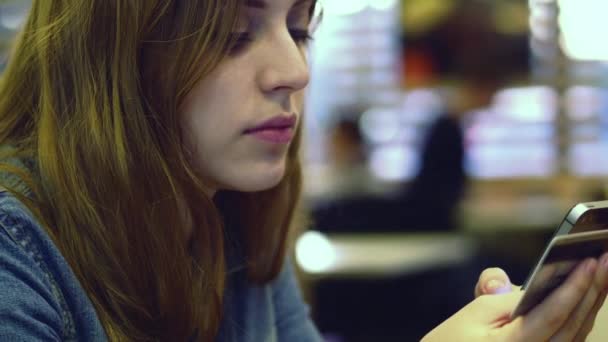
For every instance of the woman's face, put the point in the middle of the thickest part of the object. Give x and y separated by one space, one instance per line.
239 121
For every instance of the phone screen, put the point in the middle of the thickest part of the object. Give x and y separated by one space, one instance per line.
561 257
593 219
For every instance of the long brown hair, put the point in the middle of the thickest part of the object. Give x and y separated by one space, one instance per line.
91 95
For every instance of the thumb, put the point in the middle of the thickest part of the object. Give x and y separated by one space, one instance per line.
493 281
497 309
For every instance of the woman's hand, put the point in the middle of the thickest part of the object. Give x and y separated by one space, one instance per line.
494 281
567 314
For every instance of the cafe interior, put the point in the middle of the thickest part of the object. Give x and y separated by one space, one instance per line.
442 137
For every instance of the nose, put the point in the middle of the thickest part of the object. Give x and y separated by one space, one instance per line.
284 67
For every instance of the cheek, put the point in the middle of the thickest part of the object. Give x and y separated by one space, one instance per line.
194 120
201 107
201 145
209 133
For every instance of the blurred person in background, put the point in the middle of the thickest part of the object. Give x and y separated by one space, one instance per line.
348 158
347 170
351 195
358 201
152 179
480 63
465 47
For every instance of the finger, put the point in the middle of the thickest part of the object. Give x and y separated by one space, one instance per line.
546 318
493 281
584 309
602 274
590 320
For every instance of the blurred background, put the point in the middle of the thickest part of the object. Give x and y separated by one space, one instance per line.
443 137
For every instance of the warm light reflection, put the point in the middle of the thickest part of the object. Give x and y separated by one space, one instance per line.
314 252
422 15
511 17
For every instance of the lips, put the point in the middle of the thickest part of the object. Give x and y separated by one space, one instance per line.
278 130
280 122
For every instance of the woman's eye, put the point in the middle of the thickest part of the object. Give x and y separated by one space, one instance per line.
300 36
240 41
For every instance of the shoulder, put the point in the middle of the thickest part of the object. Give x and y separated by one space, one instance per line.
39 296
28 302
292 314
20 234
270 312
22 237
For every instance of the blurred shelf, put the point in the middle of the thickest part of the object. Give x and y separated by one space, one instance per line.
520 205
385 255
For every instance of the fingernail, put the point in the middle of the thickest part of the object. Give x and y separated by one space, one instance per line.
496 286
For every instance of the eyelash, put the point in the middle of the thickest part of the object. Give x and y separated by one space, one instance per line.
242 39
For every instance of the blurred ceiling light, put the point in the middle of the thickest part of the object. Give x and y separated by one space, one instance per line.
314 252
584 27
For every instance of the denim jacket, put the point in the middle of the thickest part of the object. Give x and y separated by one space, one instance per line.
41 299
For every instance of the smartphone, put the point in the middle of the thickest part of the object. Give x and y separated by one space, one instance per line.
584 217
560 258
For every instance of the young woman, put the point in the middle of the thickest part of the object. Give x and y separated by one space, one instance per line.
151 180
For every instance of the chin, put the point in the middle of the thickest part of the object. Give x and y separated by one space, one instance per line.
255 183
255 186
